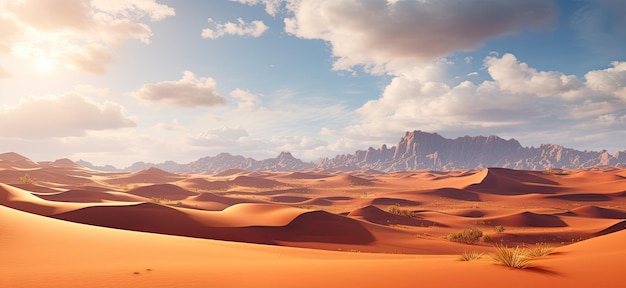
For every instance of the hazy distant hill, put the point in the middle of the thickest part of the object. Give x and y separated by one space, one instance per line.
416 150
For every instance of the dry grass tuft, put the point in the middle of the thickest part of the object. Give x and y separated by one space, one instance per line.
470 256
517 257
541 249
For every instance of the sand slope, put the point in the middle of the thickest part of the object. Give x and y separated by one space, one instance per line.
88 256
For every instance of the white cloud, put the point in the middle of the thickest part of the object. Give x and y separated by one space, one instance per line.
610 80
186 92
515 77
135 8
272 7
518 98
380 36
76 34
61 116
248 101
241 28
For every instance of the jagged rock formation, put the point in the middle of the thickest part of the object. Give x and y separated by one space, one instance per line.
422 150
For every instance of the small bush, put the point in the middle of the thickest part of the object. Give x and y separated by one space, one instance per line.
470 256
26 179
541 249
499 228
395 209
487 239
468 236
512 257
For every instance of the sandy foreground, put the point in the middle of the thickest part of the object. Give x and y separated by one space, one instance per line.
74 227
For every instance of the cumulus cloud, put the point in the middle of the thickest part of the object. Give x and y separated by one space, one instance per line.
241 28
382 34
186 92
76 34
61 116
248 101
610 80
517 97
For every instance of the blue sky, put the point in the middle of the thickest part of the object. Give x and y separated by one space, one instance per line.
114 82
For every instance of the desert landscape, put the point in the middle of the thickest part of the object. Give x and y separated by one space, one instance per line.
64 225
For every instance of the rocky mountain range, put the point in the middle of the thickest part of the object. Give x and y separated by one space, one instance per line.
416 150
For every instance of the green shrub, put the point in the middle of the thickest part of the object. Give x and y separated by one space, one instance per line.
468 236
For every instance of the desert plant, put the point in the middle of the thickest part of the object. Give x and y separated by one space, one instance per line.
395 209
468 236
499 228
470 256
487 239
511 257
155 200
541 249
26 179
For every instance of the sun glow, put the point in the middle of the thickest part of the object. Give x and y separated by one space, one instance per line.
45 66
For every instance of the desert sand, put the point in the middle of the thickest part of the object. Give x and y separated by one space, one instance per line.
69 226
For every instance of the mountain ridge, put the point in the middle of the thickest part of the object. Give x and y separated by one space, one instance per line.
416 150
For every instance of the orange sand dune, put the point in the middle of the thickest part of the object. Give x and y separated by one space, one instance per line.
599 212
150 175
304 175
342 211
529 219
88 196
101 257
375 215
511 182
164 191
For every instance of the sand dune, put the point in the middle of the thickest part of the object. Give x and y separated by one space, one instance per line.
88 196
598 212
345 211
374 214
162 191
150 175
529 219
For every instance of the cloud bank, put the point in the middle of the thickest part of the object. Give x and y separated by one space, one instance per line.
61 116
383 34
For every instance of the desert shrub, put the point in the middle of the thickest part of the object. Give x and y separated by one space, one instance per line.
487 239
541 249
468 236
26 179
499 228
511 257
155 200
470 256
395 209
